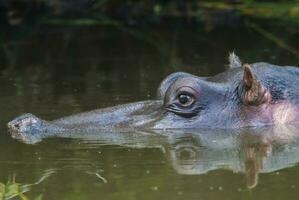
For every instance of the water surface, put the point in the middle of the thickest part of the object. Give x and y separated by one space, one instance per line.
55 71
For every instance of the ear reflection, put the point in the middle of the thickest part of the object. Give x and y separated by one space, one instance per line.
254 151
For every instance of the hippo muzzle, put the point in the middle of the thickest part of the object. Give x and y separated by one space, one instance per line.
122 118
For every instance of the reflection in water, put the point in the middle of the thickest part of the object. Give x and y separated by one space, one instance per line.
12 189
251 152
193 152
82 162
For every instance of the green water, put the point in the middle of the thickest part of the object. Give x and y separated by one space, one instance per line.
57 71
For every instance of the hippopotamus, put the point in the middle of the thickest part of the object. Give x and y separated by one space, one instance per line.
245 95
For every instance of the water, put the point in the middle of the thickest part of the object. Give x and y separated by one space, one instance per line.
56 71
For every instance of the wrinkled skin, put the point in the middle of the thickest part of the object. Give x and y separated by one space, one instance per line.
258 94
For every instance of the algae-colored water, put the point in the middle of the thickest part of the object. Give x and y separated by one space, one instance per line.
55 71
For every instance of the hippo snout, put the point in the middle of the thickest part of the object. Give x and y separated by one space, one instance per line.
23 122
24 127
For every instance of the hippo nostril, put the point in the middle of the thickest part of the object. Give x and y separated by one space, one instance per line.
10 125
13 124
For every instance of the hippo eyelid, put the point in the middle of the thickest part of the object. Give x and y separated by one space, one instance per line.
186 90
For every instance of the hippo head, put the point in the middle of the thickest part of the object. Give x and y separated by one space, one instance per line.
246 95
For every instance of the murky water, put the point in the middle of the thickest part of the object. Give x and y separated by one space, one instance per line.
57 71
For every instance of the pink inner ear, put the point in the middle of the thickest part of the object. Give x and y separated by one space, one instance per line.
248 76
255 92
257 95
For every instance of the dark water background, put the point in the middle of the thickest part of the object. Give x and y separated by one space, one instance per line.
56 70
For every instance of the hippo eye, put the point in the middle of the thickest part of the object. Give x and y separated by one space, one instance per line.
183 102
185 99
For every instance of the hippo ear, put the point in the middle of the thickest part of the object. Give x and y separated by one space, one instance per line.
234 61
253 92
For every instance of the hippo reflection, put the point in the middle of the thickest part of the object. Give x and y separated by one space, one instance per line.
250 152
246 95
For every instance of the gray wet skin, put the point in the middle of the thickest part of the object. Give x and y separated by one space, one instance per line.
257 94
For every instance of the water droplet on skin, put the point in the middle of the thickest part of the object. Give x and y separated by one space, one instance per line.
220 188
148 172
